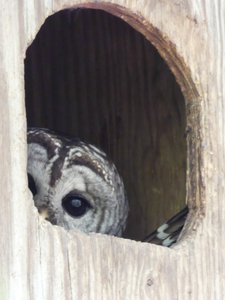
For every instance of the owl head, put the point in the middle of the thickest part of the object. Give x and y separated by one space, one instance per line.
74 184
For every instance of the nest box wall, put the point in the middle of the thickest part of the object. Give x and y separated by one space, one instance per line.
41 261
91 75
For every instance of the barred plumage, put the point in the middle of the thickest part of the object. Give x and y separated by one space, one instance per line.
168 233
75 184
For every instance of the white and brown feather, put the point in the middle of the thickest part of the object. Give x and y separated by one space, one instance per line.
60 165
168 233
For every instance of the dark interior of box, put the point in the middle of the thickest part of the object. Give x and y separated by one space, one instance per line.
91 75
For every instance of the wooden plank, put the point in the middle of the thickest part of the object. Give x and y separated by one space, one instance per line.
40 261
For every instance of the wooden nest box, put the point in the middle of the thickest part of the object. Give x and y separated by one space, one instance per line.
143 81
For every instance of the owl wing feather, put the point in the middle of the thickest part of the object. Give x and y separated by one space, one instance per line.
168 233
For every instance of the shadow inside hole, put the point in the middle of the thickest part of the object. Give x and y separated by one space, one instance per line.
91 75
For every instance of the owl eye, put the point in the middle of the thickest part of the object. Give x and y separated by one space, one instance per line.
32 185
75 206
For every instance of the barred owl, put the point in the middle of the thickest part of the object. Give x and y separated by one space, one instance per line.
74 184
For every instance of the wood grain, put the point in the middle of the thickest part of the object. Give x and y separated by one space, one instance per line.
40 261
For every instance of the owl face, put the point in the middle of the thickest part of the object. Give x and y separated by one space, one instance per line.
74 184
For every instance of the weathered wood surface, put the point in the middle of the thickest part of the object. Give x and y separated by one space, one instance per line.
40 261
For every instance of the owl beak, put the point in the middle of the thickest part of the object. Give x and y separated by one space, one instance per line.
43 211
